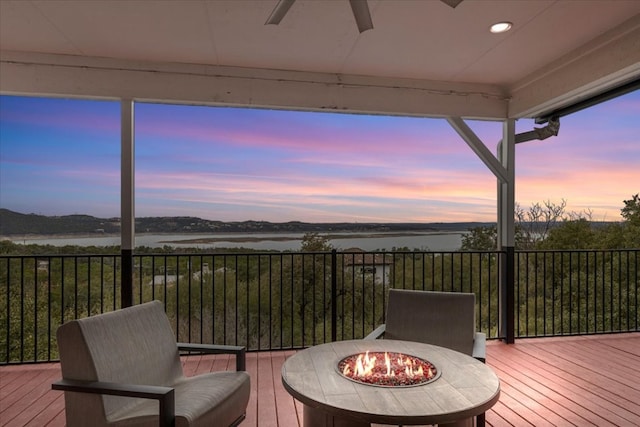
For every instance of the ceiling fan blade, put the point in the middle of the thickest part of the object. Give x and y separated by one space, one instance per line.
452 3
361 12
279 11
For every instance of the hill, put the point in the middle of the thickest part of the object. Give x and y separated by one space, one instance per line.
15 223
12 223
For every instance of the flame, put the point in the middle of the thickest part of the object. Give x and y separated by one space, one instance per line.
346 371
409 371
365 365
387 362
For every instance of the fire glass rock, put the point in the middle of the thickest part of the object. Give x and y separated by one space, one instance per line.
387 369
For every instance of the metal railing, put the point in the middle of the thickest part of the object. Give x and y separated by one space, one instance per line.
576 292
269 301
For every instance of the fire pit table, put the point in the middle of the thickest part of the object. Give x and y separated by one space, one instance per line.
455 386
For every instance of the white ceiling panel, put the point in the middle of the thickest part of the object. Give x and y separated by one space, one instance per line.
416 44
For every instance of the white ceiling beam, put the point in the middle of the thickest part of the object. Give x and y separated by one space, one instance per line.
608 61
74 76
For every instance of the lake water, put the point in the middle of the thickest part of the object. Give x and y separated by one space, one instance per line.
428 241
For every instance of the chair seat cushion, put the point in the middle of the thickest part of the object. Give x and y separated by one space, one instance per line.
217 398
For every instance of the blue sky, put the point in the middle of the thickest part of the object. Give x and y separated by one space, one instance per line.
62 156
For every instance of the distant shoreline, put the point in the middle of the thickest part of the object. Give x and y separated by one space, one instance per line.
443 240
220 237
16 225
249 239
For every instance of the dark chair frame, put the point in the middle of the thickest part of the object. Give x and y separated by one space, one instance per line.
164 394
447 299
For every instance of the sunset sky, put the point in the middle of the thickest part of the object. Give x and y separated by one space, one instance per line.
60 156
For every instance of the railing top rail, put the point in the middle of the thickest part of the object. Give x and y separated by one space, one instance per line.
575 250
252 253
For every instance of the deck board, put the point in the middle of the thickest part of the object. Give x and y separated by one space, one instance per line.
572 389
562 381
563 402
612 386
267 413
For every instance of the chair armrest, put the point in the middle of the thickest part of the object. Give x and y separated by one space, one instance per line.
480 346
377 333
238 350
165 395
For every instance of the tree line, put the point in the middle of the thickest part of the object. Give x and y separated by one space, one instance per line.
548 225
285 300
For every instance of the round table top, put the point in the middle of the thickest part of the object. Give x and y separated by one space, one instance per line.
465 388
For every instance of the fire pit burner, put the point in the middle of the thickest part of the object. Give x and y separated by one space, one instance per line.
387 369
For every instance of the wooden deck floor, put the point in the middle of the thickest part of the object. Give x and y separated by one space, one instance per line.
567 381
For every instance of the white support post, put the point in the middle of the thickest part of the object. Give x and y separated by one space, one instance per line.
506 187
503 167
127 206
506 231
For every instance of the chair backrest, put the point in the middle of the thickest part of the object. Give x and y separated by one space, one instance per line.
445 319
135 345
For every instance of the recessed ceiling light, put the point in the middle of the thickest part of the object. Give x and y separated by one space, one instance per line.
501 27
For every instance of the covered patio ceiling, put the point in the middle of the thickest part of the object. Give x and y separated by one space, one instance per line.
422 58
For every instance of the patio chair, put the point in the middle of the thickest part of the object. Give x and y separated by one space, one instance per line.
115 365
445 319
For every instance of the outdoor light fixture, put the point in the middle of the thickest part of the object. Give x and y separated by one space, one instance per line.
501 27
